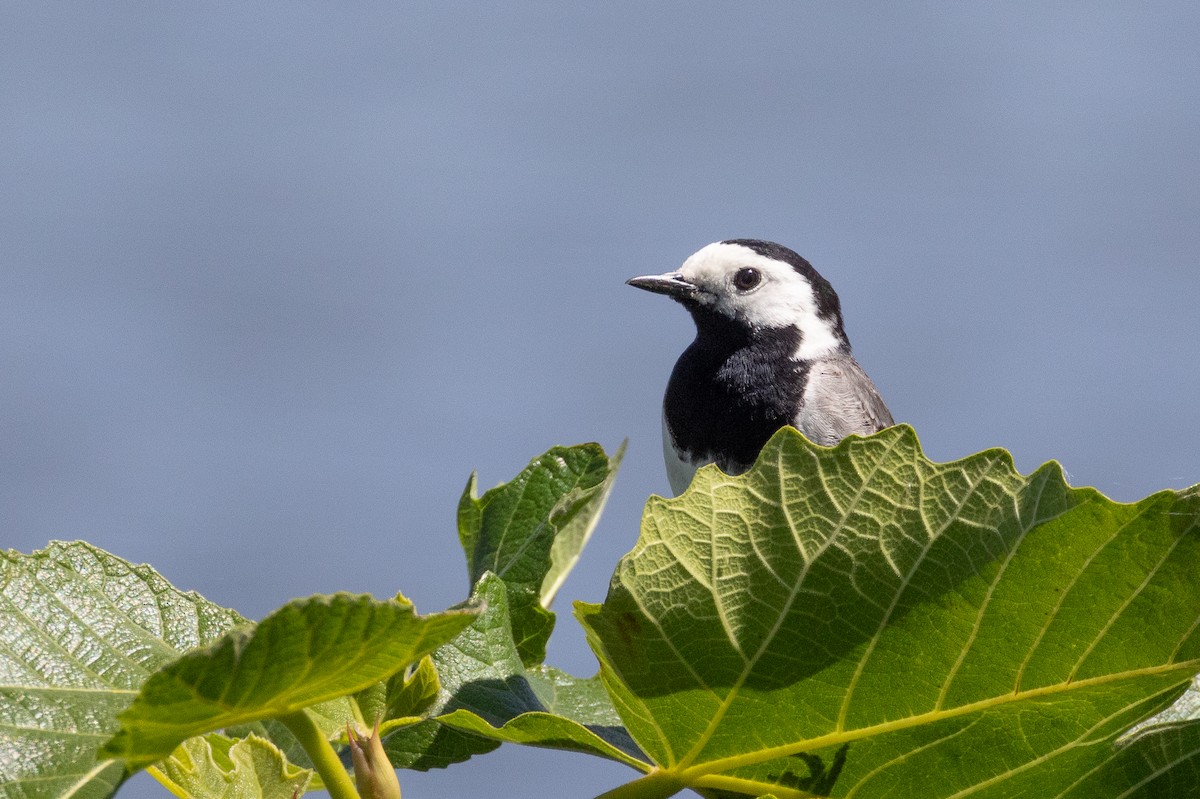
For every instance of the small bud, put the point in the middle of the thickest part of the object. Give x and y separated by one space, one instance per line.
373 772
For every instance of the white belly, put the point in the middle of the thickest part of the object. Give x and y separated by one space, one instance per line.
679 471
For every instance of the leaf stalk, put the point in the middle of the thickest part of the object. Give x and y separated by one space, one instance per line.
320 751
655 785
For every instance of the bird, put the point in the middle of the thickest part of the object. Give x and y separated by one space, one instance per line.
770 351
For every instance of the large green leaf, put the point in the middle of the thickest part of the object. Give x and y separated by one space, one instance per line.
531 530
488 696
864 622
309 651
80 631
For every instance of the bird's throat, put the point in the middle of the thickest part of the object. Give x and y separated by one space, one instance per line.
730 391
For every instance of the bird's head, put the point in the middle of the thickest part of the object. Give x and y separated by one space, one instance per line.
759 286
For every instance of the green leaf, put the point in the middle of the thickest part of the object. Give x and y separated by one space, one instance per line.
401 700
1163 761
531 530
489 696
216 767
862 621
413 692
309 651
329 717
82 630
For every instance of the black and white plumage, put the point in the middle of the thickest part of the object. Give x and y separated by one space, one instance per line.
770 351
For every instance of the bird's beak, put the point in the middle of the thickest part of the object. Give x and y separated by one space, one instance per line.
672 284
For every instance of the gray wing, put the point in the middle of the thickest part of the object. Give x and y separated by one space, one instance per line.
840 400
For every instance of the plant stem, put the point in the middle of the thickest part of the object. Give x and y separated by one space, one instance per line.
325 760
655 785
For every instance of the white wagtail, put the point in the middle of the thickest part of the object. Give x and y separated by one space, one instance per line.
769 351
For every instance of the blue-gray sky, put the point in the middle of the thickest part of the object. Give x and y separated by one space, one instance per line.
275 278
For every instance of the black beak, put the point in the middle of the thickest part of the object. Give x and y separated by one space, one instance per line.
672 284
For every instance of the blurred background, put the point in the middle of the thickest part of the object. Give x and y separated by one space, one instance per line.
276 277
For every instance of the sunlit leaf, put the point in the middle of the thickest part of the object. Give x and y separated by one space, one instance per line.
214 766
309 651
81 631
864 622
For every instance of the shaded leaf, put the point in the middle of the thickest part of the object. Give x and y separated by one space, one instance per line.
488 696
412 693
309 651
1163 761
83 629
531 530
551 731
862 621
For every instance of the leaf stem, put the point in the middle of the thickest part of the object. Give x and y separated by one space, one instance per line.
655 785
325 760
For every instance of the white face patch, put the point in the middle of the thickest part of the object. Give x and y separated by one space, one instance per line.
783 298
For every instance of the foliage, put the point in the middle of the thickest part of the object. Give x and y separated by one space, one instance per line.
81 632
856 621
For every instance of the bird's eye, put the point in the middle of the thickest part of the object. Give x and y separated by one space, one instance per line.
746 278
